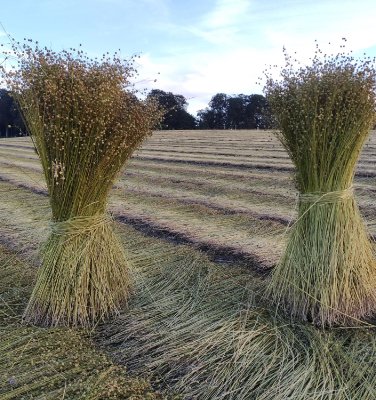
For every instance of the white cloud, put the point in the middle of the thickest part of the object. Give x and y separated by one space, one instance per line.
328 26
236 41
226 12
222 25
234 71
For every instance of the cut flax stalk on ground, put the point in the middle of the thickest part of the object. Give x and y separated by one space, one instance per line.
202 329
325 111
84 124
60 363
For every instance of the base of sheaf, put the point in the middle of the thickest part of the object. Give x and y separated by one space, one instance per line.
83 278
327 274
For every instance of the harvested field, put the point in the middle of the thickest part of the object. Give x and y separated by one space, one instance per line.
203 216
216 190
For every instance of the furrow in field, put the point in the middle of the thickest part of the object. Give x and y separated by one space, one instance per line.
240 156
28 153
362 169
210 152
249 177
220 164
22 166
14 146
223 204
229 186
250 159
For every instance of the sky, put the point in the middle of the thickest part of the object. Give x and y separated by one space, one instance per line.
196 48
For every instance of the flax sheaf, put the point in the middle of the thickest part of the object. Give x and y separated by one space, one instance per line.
325 112
85 122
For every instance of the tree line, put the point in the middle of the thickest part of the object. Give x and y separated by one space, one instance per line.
236 112
223 112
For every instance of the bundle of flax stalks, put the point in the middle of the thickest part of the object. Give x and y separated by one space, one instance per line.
84 124
325 112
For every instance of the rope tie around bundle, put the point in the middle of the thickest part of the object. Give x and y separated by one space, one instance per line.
80 224
327 197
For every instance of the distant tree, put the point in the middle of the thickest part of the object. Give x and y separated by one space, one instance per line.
175 105
184 120
11 122
218 104
205 119
236 112
6 104
257 112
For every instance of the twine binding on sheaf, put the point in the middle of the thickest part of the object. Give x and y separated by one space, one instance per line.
327 197
80 224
